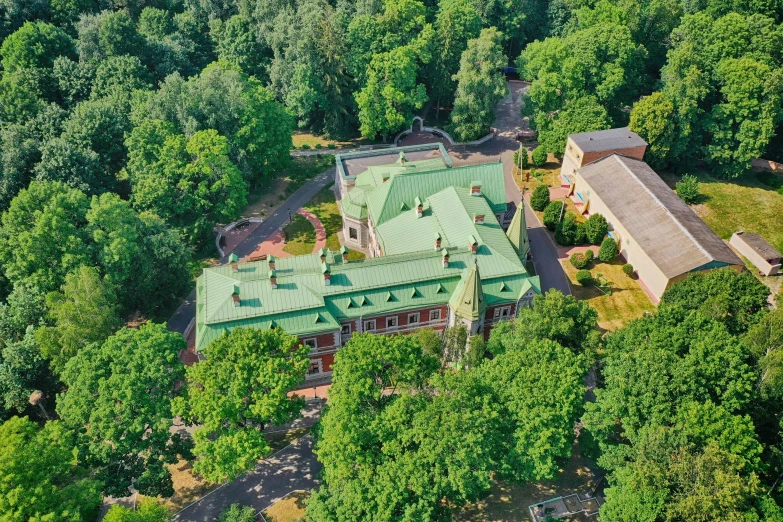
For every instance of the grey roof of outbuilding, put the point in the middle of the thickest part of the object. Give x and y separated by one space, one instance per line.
610 139
760 245
669 232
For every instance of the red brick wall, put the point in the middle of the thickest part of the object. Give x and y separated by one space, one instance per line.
402 317
490 315
327 360
633 152
322 340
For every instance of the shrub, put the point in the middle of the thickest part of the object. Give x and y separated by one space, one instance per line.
581 234
584 278
565 233
688 189
305 146
628 269
237 513
319 146
578 260
552 214
525 161
539 156
540 198
589 255
332 146
608 250
596 229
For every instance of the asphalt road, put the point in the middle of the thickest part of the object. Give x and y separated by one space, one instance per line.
290 469
280 216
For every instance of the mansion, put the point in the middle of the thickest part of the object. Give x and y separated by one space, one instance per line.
438 257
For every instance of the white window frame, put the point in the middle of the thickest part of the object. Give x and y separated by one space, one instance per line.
393 319
313 340
369 326
434 315
319 363
343 327
502 312
416 320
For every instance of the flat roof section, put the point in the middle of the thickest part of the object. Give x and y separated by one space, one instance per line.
352 164
610 139
760 245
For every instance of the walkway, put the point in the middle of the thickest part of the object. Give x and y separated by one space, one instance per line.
292 468
275 243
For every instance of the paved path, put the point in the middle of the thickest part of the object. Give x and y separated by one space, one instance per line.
292 468
280 216
275 243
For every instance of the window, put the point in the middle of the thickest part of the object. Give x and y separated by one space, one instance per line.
391 322
345 329
352 233
502 312
434 315
312 343
413 318
315 367
369 326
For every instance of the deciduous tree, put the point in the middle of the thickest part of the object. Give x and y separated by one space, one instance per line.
239 389
119 396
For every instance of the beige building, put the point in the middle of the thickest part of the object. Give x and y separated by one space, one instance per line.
588 147
656 232
764 256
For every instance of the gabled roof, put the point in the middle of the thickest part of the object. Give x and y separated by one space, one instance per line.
667 229
385 201
760 245
609 139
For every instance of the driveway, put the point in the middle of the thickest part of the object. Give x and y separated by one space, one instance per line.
292 468
509 121
280 216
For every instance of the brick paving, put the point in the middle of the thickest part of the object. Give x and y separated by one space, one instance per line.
275 244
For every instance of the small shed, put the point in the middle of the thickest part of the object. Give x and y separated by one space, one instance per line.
764 256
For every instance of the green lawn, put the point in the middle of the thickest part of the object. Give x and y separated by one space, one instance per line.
301 236
289 509
628 300
324 206
739 204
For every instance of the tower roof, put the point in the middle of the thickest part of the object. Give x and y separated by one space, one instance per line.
468 299
517 231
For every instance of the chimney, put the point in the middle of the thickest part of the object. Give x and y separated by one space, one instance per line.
322 254
273 278
344 251
473 244
233 259
419 207
475 188
327 273
478 219
271 260
235 295
437 240
445 258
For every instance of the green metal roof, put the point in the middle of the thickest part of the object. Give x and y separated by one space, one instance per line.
385 201
468 300
356 289
517 231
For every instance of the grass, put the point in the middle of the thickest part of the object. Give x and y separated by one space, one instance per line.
324 206
311 140
744 203
270 194
628 300
301 236
291 508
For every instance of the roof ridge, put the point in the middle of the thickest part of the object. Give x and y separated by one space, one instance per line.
664 207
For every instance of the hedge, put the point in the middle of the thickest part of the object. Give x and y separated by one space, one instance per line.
608 250
540 198
584 278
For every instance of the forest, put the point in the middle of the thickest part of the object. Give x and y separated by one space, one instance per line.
130 128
